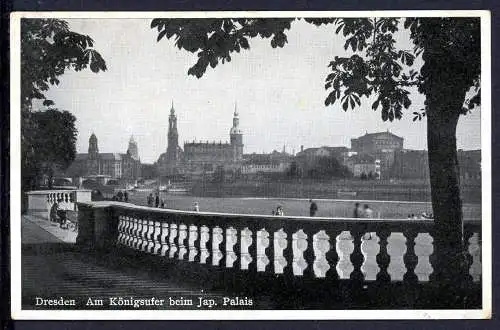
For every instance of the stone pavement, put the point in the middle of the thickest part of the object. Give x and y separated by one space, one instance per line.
64 235
53 267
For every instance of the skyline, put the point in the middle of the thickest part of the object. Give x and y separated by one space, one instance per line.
279 92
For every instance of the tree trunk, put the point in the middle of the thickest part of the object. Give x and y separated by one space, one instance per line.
446 202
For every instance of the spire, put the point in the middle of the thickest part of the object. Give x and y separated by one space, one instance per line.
172 111
235 109
132 139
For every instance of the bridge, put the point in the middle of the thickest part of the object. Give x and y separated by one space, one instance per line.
124 250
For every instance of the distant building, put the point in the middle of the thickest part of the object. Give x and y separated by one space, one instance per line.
201 157
275 162
308 158
364 165
377 142
112 165
381 146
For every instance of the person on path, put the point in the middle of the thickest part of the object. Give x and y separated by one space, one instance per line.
279 211
357 211
125 196
61 214
120 195
313 208
157 200
150 200
196 207
53 212
367 213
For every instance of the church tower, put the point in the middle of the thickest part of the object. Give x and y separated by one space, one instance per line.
133 150
93 157
173 137
236 137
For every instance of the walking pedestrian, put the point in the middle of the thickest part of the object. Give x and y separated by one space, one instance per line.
367 212
313 208
157 200
150 200
357 211
279 211
125 196
120 195
162 204
196 207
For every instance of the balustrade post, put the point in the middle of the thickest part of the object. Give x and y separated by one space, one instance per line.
357 258
383 258
410 258
332 256
309 253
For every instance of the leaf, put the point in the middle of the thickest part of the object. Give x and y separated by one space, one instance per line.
345 105
375 104
161 35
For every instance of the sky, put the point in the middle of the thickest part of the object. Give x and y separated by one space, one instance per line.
279 94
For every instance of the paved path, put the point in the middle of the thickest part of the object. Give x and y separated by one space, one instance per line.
52 268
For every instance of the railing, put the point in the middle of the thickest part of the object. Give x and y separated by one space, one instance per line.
40 201
291 249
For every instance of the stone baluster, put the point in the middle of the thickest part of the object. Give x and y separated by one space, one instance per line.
135 233
183 234
280 244
121 229
193 244
231 240
383 258
246 243
205 243
288 253
171 240
128 231
164 238
151 238
332 256
252 252
423 249
237 248
410 258
320 246
217 239
309 253
262 244
143 242
156 238
357 257
299 245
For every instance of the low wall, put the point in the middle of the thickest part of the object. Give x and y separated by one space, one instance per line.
300 257
40 201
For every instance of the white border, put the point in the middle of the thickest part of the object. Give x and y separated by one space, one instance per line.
15 171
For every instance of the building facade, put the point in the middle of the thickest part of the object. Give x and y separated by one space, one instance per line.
112 165
200 157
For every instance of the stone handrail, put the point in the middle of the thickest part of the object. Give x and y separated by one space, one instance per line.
359 251
40 201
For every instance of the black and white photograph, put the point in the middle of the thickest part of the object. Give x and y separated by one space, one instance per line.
251 165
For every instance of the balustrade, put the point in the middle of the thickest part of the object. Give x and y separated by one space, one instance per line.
333 250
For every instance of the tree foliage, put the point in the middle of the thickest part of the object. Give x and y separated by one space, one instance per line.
328 167
376 69
54 140
48 49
